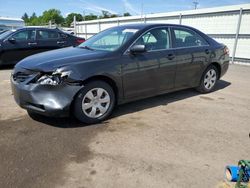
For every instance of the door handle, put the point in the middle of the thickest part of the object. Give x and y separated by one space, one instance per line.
32 43
171 56
60 42
207 51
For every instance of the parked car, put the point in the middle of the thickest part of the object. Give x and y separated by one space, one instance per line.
16 45
116 66
68 30
3 31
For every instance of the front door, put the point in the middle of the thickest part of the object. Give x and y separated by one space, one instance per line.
18 46
150 72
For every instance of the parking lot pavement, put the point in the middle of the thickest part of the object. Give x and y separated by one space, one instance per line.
181 139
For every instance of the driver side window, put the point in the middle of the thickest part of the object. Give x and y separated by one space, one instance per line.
155 39
24 35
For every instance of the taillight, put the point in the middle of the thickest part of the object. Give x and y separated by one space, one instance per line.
226 50
80 41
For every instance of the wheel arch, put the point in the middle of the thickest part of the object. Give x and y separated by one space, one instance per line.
218 66
106 79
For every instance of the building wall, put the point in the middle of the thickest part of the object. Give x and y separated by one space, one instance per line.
220 23
9 23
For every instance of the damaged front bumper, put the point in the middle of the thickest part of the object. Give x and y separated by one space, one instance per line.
47 100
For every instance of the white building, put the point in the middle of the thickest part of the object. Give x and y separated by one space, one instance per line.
11 23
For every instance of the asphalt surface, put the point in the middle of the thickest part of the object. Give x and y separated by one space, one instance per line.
182 139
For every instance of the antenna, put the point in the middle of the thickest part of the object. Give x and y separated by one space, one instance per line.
196 3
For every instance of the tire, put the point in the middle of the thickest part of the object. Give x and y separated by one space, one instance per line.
208 80
94 103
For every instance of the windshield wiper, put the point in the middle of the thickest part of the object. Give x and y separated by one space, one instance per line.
86 47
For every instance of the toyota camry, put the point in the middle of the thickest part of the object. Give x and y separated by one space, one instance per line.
118 65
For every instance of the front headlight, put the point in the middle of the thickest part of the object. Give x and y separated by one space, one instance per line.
49 80
54 78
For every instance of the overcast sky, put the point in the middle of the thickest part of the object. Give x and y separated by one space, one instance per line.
16 8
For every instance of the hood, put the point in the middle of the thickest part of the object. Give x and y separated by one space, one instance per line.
51 60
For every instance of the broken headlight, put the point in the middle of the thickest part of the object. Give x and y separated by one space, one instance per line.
54 78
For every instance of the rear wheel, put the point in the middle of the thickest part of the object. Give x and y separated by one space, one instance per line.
94 103
208 80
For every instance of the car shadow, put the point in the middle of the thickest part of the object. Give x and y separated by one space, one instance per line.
128 108
163 100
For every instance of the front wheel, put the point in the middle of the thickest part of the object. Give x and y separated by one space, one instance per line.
94 103
208 80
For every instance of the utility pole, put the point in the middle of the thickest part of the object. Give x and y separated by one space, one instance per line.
196 3
142 11
75 25
50 24
84 18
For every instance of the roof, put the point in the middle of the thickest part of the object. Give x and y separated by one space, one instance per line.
149 25
40 27
43 28
11 19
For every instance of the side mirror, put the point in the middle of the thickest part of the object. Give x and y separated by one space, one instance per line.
137 49
12 40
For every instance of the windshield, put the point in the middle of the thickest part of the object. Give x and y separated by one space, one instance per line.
109 40
3 35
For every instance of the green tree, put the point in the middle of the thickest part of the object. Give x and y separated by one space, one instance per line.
33 16
90 17
33 20
52 15
70 18
126 14
105 14
56 17
25 17
113 16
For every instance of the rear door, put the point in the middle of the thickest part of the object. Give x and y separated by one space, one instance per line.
18 46
192 53
64 40
49 39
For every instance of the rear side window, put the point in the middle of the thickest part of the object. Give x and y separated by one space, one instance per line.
43 34
155 39
186 38
63 35
24 35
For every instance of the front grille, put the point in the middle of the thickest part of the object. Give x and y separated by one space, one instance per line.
20 77
23 76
